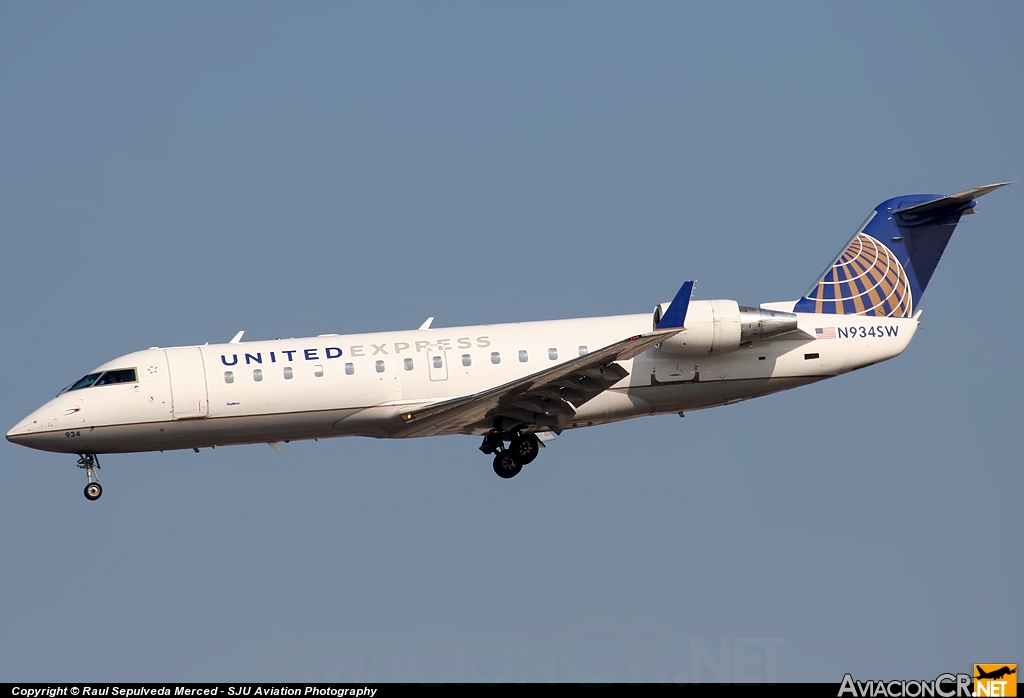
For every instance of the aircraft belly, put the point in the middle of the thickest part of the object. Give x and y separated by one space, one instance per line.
216 431
667 398
379 421
611 406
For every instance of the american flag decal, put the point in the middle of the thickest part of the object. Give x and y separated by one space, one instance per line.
825 332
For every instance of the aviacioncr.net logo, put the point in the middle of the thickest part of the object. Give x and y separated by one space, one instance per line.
944 686
995 680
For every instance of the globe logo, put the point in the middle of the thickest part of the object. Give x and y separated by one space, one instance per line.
866 279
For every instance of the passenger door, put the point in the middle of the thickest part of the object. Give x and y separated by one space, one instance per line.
189 399
437 364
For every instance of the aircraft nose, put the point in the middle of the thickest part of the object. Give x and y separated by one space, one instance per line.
36 431
22 433
19 434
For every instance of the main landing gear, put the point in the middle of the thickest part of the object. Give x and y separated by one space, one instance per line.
508 462
91 463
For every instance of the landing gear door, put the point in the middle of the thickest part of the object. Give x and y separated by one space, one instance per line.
187 371
437 364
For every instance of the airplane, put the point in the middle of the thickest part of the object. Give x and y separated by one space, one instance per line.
995 674
516 385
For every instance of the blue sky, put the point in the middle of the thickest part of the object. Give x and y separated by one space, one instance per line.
173 173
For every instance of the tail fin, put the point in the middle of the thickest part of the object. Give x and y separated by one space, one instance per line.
885 268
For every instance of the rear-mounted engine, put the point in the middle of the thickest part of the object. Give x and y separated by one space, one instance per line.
720 326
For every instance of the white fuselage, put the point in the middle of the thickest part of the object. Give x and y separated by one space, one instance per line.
357 385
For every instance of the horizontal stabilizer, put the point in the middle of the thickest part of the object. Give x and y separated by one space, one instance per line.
944 205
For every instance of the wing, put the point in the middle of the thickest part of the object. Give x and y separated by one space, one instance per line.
546 399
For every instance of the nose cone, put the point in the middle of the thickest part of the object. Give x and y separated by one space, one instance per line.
20 434
28 431
44 429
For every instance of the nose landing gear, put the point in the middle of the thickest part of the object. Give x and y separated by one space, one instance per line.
91 463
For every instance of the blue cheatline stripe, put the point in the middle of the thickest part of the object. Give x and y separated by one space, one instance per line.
676 313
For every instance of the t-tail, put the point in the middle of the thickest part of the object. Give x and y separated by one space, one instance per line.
885 268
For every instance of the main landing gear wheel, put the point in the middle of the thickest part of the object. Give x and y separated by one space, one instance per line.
505 465
524 448
93 491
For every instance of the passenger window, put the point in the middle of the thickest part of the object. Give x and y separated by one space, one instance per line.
495 357
523 356
438 363
553 354
408 364
350 369
318 371
467 360
583 351
288 373
229 377
123 375
257 374
379 366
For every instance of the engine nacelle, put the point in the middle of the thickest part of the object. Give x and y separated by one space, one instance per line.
720 326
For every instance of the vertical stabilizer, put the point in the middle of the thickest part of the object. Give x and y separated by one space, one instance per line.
886 266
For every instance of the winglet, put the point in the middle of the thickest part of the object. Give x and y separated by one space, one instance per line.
237 339
426 323
676 313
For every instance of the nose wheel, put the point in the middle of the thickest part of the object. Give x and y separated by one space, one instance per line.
91 463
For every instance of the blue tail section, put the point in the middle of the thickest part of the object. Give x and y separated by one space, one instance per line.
675 316
885 268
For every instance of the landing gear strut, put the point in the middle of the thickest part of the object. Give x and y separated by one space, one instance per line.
494 441
91 463
508 462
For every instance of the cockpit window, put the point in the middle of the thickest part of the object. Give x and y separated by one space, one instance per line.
121 375
82 382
